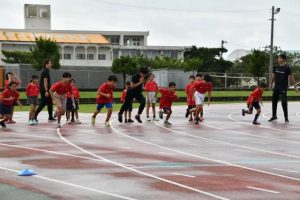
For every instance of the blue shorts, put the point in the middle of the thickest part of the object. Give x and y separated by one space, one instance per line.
107 105
255 105
69 105
5 110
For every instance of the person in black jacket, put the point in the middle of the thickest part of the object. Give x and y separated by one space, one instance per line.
135 91
281 76
45 84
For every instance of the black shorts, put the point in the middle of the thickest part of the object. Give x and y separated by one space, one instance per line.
5 110
69 106
255 105
191 107
166 109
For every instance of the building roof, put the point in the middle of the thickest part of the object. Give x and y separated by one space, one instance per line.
20 36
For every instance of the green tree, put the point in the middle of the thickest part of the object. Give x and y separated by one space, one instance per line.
21 57
45 48
124 65
191 64
258 63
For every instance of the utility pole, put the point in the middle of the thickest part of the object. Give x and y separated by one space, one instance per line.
222 46
271 45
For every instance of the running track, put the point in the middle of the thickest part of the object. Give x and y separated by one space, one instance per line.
226 157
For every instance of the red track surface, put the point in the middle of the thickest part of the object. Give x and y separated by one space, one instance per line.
226 157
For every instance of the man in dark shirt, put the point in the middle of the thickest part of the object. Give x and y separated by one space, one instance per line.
135 92
281 76
45 84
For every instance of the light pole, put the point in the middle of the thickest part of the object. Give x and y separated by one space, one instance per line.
271 45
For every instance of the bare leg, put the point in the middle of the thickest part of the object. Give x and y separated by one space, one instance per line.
109 112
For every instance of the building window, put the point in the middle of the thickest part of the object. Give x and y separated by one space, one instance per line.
114 40
67 56
80 56
101 57
136 41
90 56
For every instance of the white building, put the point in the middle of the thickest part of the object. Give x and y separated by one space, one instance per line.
81 48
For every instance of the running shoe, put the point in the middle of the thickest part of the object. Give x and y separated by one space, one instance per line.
93 121
138 118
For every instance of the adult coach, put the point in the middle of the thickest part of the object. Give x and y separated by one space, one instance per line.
135 91
281 76
45 84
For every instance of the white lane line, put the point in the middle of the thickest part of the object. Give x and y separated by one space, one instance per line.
166 153
197 145
203 158
74 185
241 150
185 175
125 147
138 171
227 143
263 190
285 170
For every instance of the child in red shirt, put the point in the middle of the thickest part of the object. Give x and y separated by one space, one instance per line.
189 90
253 101
8 99
58 92
127 113
200 88
105 98
69 107
151 87
168 95
32 93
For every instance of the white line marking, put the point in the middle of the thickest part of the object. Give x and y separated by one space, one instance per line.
73 185
285 170
166 153
179 174
125 147
204 158
138 171
197 145
241 150
263 190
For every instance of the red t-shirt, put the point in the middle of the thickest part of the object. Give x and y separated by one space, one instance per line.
75 92
167 98
7 93
6 83
107 89
203 87
32 90
151 86
123 96
189 90
61 88
255 96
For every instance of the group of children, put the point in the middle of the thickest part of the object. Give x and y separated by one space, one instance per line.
65 95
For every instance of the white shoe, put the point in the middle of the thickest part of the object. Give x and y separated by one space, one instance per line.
107 124
78 122
35 122
31 122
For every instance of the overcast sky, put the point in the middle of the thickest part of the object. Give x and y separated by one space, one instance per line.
243 24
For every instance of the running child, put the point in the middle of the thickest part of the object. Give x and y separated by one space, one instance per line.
105 98
200 88
70 109
9 98
189 90
58 92
127 113
32 93
151 87
253 101
168 95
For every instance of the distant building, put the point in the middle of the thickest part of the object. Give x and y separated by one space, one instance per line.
237 54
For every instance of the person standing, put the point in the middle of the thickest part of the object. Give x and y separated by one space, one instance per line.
45 84
281 76
135 91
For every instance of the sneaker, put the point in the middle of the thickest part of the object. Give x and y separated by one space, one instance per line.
191 119
120 118
2 123
187 113
51 119
161 114
10 122
197 120
272 118
30 122
107 124
155 119
201 119
148 119
287 120
93 121
72 121
77 121
256 123
58 125
125 121
130 121
167 123
68 121
243 112
35 122
138 118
